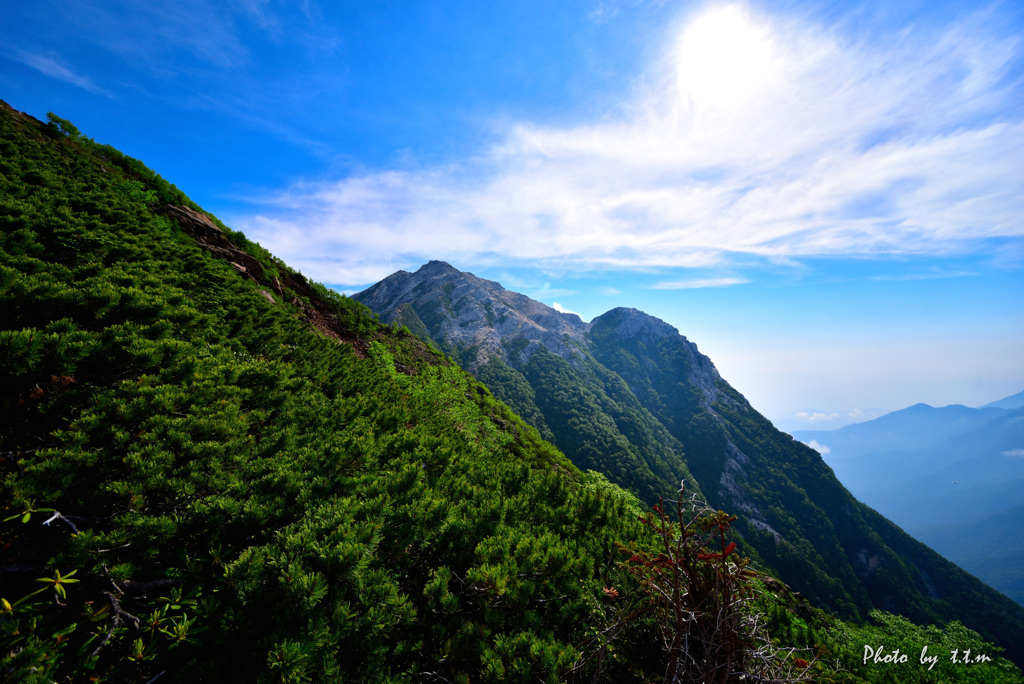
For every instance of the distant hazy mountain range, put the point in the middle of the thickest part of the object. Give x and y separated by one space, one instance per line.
953 477
1011 402
629 396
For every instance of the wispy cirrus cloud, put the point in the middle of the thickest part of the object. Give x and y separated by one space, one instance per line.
927 276
776 140
261 64
52 67
170 38
699 283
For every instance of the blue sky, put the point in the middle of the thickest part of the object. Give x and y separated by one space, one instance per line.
828 198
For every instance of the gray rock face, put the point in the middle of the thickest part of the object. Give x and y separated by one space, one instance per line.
463 311
459 309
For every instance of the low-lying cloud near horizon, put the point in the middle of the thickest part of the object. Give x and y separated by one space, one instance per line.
820 448
752 137
816 416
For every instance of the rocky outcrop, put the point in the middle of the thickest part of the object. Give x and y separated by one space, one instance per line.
300 294
209 235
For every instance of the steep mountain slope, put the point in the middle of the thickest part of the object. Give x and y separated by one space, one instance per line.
222 472
1011 402
991 547
943 474
794 513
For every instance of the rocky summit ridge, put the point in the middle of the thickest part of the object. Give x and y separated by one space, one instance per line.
463 311
477 320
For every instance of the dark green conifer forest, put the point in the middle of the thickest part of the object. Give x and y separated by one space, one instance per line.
212 469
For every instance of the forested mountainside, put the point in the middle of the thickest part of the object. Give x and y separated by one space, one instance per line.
630 396
212 469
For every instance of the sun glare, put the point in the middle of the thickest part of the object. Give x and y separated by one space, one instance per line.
723 59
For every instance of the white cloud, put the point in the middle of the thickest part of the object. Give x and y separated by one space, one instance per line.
926 276
1019 453
699 283
53 68
816 416
561 309
838 147
820 448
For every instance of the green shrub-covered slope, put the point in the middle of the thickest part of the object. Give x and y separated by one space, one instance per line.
214 470
264 499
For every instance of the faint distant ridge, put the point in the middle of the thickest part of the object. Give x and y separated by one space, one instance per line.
818 419
952 476
1011 402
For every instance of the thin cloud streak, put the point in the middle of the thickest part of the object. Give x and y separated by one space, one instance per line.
699 283
841 149
816 416
149 33
49 66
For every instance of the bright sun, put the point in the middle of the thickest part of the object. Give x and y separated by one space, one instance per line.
723 59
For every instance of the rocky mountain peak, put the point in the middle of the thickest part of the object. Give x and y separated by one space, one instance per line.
435 267
459 311
632 327
478 319
625 323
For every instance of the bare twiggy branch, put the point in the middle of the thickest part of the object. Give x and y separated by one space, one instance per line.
57 516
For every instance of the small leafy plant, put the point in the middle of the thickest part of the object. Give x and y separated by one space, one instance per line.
700 589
